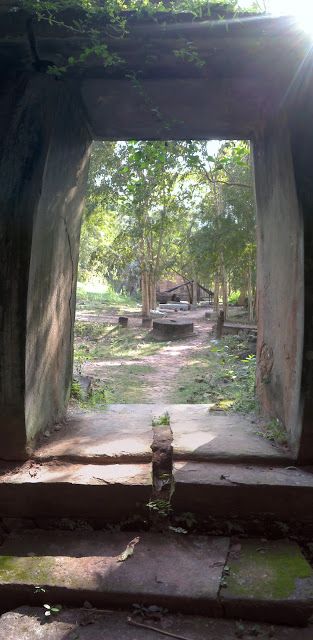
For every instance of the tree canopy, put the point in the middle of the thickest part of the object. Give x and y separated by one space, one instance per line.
155 209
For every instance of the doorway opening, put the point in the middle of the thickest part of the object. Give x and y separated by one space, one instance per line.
168 241
166 318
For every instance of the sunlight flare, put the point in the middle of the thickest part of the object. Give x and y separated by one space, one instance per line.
302 10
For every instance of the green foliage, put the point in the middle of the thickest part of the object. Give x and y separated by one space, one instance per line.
274 431
51 610
158 208
99 296
161 507
234 297
163 420
76 391
222 375
97 21
190 54
225 239
98 397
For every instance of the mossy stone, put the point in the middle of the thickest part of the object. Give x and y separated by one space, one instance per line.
27 570
271 570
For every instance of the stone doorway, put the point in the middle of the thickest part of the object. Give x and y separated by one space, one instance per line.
47 128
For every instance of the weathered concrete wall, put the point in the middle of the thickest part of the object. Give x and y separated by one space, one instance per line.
302 147
34 174
280 280
53 268
23 151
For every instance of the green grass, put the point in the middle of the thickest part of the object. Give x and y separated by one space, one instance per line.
127 384
274 431
105 341
222 375
122 385
95 341
95 296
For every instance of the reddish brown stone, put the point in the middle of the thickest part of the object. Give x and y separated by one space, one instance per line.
105 492
174 572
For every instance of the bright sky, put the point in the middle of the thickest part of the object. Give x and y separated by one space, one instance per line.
303 9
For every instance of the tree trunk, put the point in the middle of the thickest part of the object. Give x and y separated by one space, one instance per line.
224 288
242 298
216 303
145 295
250 294
152 293
189 290
194 292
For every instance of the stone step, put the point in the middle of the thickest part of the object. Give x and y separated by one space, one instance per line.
238 491
113 493
110 493
27 623
252 579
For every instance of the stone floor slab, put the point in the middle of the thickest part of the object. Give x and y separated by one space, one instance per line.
233 490
175 571
123 433
202 435
27 623
110 492
268 580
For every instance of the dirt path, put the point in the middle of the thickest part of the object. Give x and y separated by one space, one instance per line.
159 381
173 356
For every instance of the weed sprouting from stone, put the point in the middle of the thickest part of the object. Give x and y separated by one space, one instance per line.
162 507
274 431
163 420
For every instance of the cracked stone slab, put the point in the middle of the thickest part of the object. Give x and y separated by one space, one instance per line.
29 623
123 433
268 580
175 571
111 492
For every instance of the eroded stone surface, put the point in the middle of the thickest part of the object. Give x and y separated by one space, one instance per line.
228 490
201 435
27 623
110 492
268 580
121 433
174 571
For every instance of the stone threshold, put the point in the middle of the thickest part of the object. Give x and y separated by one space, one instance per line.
124 434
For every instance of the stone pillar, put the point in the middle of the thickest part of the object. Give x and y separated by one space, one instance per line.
44 155
280 266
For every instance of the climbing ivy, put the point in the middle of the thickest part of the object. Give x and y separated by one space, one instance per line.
99 20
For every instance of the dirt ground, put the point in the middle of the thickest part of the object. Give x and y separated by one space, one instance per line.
163 365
